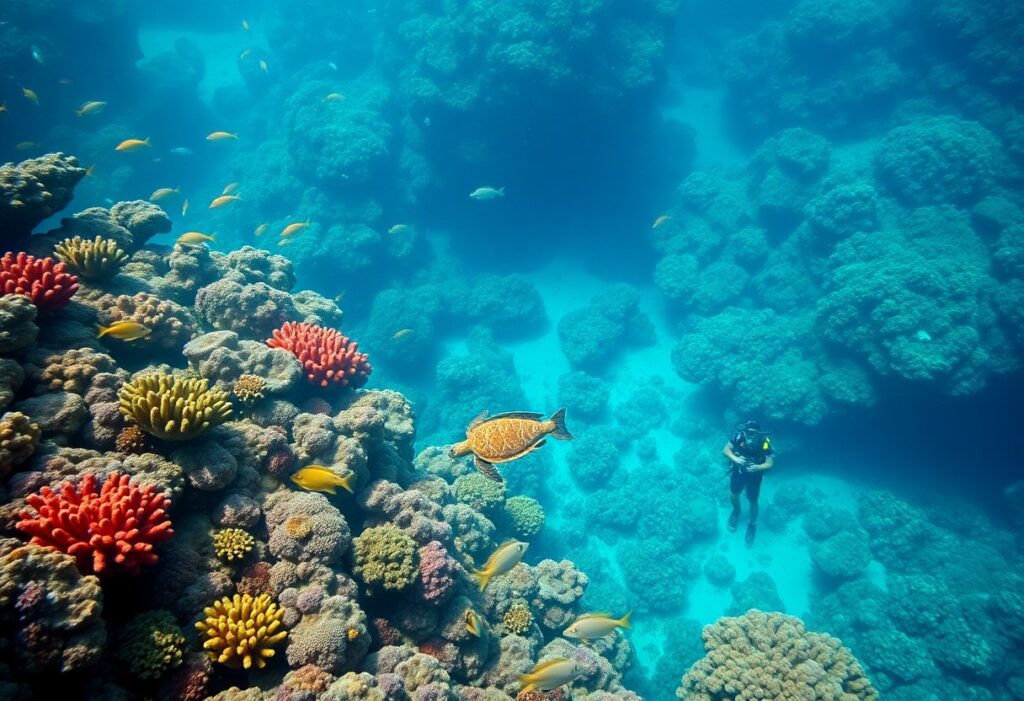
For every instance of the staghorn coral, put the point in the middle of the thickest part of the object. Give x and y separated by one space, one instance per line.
45 282
151 645
232 543
249 388
171 324
173 408
51 615
385 558
19 438
35 190
772 656
93 260
242 631
328 358
113 530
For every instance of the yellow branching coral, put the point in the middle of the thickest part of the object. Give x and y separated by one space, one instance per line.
242 631
518 618
232 543
173 408
98 259
249 388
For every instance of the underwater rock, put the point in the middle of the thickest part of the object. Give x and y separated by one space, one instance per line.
222 357
35 190
253 310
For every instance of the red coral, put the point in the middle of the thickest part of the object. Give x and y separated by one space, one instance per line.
326 355
113 530
43 280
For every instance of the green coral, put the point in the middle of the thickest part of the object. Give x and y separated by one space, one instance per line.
385 558
171 407
479 492
151 645
525 516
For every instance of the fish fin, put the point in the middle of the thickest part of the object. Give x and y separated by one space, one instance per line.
487 469
541 666
527 681
346 482
103 330
213 237
501 190
626 621
477 420
536 445
482 577
531 415
560 431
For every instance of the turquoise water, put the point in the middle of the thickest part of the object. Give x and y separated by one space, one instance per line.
807 214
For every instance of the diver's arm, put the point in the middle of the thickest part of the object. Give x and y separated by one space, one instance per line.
768 463
733 457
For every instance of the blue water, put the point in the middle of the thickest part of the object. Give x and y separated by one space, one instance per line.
805 213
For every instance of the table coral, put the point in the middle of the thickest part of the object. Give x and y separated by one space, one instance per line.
232 543
113 530
327 357
173 408
93 260
771 655
385 558
151 645
242 631
44 281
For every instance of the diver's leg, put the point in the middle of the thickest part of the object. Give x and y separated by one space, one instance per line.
735 489
753 492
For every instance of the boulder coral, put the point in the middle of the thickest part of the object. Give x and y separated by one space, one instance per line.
151 645
35 190
385 559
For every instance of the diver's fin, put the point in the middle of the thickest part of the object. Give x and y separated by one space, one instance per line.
487 469
560 431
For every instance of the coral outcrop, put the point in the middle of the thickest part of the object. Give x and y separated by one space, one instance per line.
173 408
328 358
43 280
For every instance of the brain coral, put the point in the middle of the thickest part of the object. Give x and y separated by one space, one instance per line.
772 656
385 558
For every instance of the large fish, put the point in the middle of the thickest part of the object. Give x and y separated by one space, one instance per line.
507 437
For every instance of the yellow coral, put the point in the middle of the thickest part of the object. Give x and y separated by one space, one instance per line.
173 408
249 388
242 631
298 526
19 438
352 633
97 259
232 543
518 618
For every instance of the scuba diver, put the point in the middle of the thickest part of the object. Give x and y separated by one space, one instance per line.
750 456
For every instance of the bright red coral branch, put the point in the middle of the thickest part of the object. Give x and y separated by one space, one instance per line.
112 531
326 355
43 280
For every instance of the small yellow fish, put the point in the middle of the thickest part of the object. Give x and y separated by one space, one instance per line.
334 97
260 229
91 107
133 144
401 333
26 145
475 624
229 188
223 201
192 238
284 242
184 208
245 25
220 136
660 220
501 561
125 330
245 54
294 228
550 674
163 193
263 66
31 95
90 170
398 228
593 626
317 478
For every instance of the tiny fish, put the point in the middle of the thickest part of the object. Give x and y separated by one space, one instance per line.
501 561
398 228
260 229
220 136
245 54
37 54
660 220
550 674
487 193
124 330
163 193
332 65
475 624
595 625
133 144
334 97
338 299
263 66
284 242
184 208
3 106
223 201
26 145
506 437
31 95
65 81
229 188
91 107
402 333
181 151
317 478
245 25
294 228
192 238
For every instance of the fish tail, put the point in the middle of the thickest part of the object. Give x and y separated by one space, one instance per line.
501 190
560 431
527 681
213 237
346 482
626 621
103 330
482 577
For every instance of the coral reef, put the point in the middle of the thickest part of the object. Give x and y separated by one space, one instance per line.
232 543
385 558
173 408
34 190
151 644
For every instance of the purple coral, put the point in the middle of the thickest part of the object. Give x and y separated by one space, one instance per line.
438 572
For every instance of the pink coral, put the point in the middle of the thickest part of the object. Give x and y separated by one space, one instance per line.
115 529
437 580
327 357
43 280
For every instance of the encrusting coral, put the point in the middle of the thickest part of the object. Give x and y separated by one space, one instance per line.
232 543
19 438
385 558
173 408
93 260
242 631
151 645
249 388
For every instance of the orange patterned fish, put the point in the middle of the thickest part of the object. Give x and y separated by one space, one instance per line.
507 437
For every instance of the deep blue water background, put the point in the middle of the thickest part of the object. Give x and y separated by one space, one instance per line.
591 124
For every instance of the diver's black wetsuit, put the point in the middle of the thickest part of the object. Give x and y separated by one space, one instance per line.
739 479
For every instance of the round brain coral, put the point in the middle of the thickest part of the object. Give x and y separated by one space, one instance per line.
385 558
475 490
113 530
327 357
151 645
42 280
173 408
773 656
242 631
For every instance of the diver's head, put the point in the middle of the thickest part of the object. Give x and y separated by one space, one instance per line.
749 431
